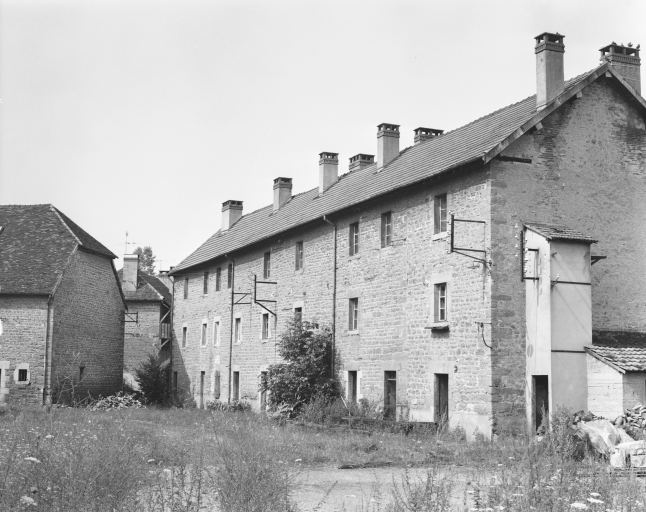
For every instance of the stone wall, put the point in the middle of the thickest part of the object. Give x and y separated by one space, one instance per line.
588 173
88 329
141 337
22 345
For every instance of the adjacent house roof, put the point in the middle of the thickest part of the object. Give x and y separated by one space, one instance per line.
622 356
552 232
480 140
149 289
36 242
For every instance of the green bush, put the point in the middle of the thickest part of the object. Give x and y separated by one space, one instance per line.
306 373
152 377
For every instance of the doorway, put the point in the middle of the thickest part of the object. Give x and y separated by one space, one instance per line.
202 389
441 400
235 396
541 401
263 391
390 395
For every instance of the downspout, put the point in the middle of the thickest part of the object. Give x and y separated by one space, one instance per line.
233 273
333 361
172 335
47 384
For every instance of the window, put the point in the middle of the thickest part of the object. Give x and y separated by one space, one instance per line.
266 265
186 287
298 314
175 389
440 302
266 331
218 279
238 330
352 387
203 334
184 332
81 373
206 283
229 275
439 213
353 314
353 241
216 332
22 375
386 229
299 255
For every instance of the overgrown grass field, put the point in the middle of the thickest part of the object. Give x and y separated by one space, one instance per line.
188 460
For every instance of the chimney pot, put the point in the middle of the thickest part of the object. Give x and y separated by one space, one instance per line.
387 143
129 273
360 161
422 134
231 213
549 67
624 59
282 191
328 170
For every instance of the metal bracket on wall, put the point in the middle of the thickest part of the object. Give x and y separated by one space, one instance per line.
261 302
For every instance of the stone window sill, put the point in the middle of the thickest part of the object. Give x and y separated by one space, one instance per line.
439 326
353 333
440 236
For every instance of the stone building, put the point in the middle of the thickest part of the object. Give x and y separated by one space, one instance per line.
147 320
437 266
61 309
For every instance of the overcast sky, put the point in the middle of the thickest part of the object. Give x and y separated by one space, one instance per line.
144 116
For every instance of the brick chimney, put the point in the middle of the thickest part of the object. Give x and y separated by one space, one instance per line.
231 213
129 273
328 170
361 160
422 134
387 143
549 67
624 59
282 191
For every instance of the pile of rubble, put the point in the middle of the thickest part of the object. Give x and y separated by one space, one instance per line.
119 401
633 421
616 440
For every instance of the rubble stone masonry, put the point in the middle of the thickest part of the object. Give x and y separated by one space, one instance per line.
88 328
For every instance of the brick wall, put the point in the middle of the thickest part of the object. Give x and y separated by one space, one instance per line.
24 330
88 328
588 173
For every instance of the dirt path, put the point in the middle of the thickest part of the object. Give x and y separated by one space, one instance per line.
326 488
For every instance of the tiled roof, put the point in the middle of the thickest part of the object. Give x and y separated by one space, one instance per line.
149 288
471 142
36 242
628 355
552 232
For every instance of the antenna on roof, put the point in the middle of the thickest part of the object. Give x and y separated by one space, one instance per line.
128 243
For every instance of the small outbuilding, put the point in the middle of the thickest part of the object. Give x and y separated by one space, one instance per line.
616 367
61 309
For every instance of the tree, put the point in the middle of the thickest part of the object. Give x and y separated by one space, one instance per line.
308 354
146 259
152 377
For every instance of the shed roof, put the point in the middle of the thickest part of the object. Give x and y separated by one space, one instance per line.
624 357
36 242
553 232
480 140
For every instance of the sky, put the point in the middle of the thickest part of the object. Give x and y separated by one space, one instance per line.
145 116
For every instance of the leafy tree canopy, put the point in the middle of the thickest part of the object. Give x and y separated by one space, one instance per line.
146 259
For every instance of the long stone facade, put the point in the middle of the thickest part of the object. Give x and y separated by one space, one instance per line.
449 328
